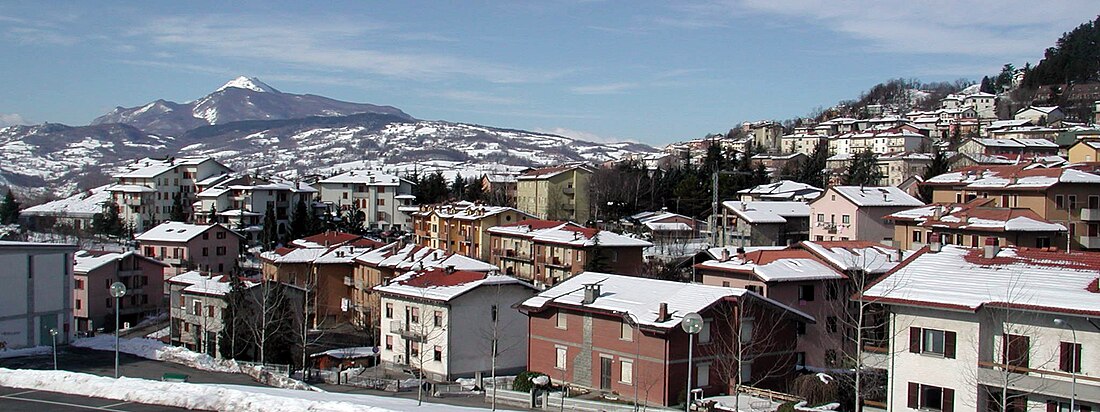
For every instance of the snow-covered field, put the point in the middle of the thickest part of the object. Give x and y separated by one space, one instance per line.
33 351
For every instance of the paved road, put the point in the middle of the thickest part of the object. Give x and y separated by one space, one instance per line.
23 400
103 363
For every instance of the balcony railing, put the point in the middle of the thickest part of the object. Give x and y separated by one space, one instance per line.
348 281
401 328
1090 214
1090 242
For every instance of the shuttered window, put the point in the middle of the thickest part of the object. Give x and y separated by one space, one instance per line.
930 397
1069 357
932 341
1015 351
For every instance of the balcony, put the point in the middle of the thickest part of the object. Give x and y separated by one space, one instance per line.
1090 214
1039 381
348 281
1090 242
556 262
567 190
876 355
400 328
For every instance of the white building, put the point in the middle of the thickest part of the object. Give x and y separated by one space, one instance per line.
443 321
241 204
37 294
146 191
385 200
967 322
801 143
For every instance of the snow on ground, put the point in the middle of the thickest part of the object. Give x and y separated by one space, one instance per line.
157 350
159 333
32 351
387 402
745 403
181 395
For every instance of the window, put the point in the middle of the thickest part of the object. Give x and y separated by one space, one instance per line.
626 371
800 359
559 360
560 321
493 313
414 315
845 219
389 342
746 331
800 328
1072 200
931 397
755 288
183 304
1042 242
220 235
220 251
1059 202
704 333
806 293
210 311
820 217
205 251
196 307
186 327
381 202
1015 351
389 310
702 373
831 324
1069 356
437 318
414 349
78 284
932 341
625 331
725 283
437 353
77 304
205 235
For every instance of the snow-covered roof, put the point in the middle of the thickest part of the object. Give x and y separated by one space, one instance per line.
641 297
975 216
175 232
364 177
1017 143
766 211
150 168
410 256
443 285
566 233
668 227
217 285
1001 124
784 189
349 353
782 265
84 204
847 255
1040 109
961 278
86 261
130 189
465 211
880 196
548 172
1020 177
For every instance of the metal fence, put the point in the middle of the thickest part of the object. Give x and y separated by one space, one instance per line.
274 368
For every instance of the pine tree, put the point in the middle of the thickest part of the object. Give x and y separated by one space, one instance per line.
474 191
270 234
863 171
812 171
179 214
938 167
597 256
458 187
299 222
212 216
9 209
108 222
234 336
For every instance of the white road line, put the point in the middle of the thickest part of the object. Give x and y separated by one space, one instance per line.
18 393
115 404
93 408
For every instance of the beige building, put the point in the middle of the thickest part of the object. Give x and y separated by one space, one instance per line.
461 227
1085 151
147 190
555 193
974 224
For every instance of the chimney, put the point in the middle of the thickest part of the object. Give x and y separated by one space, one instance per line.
591 292
725 255
934 243
991 248
937 212
662 312
741 252
449 269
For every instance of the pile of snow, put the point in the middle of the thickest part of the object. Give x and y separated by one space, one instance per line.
159 333
824 378
180 395
157 350
360 402
32 351
801 406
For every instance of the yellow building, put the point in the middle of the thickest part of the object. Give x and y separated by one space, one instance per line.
555 193
1085 151
461 227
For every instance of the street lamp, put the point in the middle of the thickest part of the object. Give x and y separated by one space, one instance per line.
692 324
1072 363
118 290
53 334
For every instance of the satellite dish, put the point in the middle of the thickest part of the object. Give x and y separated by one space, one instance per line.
118 289
692 323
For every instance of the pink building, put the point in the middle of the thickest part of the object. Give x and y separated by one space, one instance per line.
93 274
857 212
206 248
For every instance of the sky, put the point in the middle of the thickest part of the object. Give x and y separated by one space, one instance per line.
654 72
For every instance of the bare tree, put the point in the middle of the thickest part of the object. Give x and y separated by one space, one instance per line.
423 329
755 331
494 341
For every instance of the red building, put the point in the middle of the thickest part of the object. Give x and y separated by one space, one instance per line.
622 335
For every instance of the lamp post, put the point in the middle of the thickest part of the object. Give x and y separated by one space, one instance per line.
1072 363
53 334
692 324
118 290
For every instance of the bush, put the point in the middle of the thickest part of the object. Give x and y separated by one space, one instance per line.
814 390
786 407
523 381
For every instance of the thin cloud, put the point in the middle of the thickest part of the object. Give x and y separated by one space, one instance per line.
466 96
582 135
12 119
39 36
322 45
608 88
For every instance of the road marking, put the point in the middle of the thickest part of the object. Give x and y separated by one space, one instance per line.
114 405
73 405
18 393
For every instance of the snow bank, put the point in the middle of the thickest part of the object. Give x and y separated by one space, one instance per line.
32 351
157 350
180 395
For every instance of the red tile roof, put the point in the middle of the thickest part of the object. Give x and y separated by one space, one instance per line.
331 238
440 277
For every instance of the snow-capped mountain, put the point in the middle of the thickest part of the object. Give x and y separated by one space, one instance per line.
243 98
251 126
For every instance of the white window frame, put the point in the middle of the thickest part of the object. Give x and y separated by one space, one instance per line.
626 332
626 371
560 321
561 360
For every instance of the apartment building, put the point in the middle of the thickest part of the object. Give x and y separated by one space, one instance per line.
38 294
762 223
93 273
546 252
804 143
241 203
976 329
555 193
147 190
1013 147
974 224
384 200
183 246
461 227
856 213
622 334
448 323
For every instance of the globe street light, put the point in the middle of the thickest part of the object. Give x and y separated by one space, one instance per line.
53 334
692 324
118 290
1072 363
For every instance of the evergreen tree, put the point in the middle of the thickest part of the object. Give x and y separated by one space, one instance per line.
212 216
234 337
987 85
863 171
108 222
474 191
353 221
179 213
458 187
938 167
299 222
270 234
281 330
812 171
433 189
1003 81
1075 58
759 176
9 209
597 256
